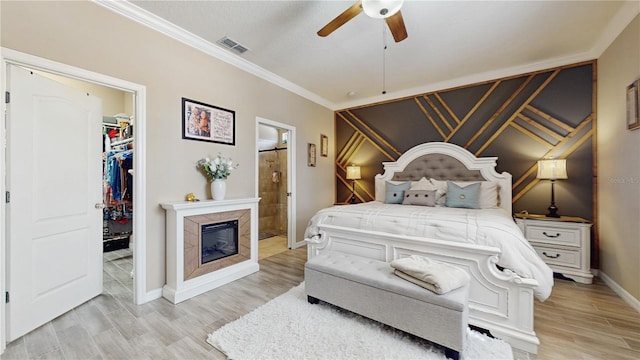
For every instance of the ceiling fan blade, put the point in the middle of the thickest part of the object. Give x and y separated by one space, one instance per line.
396 25
341 19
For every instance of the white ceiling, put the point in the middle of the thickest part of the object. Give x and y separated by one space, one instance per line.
450 43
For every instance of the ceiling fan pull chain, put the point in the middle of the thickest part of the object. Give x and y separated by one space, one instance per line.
384 61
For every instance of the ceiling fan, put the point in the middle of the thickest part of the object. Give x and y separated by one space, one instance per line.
389 10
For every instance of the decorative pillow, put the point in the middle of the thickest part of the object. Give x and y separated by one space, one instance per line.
395 192
423 184
488 193
441 191
420 197
463 197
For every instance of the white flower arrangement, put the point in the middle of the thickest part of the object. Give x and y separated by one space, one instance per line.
218 168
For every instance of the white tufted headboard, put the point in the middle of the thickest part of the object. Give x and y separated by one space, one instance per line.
444 161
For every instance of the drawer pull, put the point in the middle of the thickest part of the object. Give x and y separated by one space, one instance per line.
550 256
551 236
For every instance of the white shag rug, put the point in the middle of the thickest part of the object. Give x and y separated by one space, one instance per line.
288 327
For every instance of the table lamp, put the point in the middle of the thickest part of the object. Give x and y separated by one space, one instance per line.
353 173
552 169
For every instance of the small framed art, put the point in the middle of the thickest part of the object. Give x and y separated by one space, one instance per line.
633 106
205 122
311 155
324 145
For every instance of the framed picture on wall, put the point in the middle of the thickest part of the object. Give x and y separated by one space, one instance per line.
311 155
633 106
206 122
324 145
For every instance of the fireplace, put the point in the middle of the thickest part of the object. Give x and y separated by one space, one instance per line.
209 244
218 241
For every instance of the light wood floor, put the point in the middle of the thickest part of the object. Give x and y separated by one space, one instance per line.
576 322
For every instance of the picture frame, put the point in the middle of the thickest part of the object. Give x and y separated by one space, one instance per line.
633 106
324 145
204 122
311 155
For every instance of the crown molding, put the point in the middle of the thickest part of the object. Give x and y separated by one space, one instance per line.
616 26
164 27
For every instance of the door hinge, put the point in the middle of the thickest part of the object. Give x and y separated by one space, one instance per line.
6 297
7 197
7 97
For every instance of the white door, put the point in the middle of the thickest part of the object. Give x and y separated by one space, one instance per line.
54 216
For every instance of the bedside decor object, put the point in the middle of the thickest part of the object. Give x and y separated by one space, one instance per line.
552 169
353 173
633 106
191 197
324 145
205 122
217 171
311 155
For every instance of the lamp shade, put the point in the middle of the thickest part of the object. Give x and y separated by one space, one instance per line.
353 172
552 169
381 9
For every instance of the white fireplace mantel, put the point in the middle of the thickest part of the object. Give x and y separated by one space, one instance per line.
178 289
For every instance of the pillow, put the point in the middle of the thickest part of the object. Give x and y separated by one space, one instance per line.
420 197
395 192
441 190
488 193
463 197
423 184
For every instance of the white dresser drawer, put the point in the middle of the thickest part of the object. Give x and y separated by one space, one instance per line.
553 235
559 257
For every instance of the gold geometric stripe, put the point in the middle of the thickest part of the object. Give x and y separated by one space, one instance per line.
532 135
378 137
513 116
499 111
564 155
348 151
541 127
446 107
437 111
426 113
367 138
546 116
473 110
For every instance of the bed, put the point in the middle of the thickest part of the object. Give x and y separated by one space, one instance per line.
506 272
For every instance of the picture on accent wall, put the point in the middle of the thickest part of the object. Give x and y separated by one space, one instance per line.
210 123
633 106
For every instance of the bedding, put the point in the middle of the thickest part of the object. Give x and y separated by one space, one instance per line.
489 227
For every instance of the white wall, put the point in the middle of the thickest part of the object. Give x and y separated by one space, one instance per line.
619 163
88 36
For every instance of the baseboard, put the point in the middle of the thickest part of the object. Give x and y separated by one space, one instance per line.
628 298
152 295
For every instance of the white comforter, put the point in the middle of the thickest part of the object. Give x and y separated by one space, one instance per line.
490 227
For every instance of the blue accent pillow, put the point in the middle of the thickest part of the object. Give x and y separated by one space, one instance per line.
463 197
395 192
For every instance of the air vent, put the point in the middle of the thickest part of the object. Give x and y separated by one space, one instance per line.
232 45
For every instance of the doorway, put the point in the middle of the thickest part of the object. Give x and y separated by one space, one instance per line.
274 187
137 93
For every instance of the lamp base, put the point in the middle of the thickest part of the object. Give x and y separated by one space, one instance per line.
553 211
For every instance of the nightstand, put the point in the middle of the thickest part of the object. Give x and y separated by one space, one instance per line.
563 243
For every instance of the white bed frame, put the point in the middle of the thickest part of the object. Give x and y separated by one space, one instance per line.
500 301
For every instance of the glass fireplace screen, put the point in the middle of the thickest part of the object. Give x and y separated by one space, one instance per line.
219 240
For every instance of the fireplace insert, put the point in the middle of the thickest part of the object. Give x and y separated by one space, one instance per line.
219 240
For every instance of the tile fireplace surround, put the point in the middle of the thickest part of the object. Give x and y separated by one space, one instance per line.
186 276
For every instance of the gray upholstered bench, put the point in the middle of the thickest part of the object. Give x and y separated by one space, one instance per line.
369 288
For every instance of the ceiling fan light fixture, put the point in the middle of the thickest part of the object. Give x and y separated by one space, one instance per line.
381 9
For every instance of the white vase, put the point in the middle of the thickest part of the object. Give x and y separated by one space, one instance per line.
218 189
